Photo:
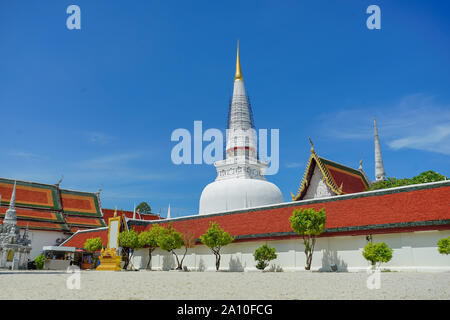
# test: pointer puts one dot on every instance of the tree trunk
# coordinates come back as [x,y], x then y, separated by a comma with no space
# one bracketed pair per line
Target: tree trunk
[310,243]
[178,262]
[308,261]
[149,263]
[125,256]
[217,261]
[130,258]
[184,255]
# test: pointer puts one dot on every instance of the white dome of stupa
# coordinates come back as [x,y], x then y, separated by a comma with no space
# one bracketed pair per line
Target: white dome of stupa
[238,193]
[240,181]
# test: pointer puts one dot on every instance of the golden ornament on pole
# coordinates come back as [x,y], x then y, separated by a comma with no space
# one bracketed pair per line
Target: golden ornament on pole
[109,260]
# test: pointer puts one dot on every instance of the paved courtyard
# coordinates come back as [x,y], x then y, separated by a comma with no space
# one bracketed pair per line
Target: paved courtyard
[221,285]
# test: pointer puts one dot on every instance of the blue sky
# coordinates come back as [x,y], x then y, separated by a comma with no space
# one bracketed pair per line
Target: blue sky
[98,105]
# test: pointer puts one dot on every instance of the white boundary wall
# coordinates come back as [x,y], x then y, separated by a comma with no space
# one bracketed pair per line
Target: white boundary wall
[412,251]
[41,238]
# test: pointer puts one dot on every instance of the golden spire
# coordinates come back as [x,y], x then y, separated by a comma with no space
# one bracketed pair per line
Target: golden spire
[115,211]
[238,75]
[312,146]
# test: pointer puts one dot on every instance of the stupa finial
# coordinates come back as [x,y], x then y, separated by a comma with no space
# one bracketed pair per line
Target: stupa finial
[238,75]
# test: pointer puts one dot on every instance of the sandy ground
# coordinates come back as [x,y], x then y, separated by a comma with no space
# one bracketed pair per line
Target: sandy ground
[222,285]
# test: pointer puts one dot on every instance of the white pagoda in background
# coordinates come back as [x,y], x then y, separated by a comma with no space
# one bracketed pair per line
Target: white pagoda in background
[380,174]
[14,248]
[240,181]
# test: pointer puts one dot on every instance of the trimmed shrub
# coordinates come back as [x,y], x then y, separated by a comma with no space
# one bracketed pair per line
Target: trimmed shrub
[444,245]
[263,255]
[377,253]
[39,260]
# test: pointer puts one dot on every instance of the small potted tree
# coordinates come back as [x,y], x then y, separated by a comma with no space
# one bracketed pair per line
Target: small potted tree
[92,245]
[128,240]
[215,238]
[263,255]
[378,252]
[171,240]
[149,239]
[308,223]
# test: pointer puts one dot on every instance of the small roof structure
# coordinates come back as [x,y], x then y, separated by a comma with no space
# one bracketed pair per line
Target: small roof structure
[339,178]
[57,248]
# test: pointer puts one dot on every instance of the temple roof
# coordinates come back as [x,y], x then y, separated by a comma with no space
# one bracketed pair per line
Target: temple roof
[109,213]
[79,238]
[47,207]
[339,178]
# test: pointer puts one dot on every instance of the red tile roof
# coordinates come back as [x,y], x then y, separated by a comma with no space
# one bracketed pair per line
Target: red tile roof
[30,194]
[351,180]
[86,222]
[41,225]
[339,178]
[39,204]
[33,214]
[78,239]
[109,213]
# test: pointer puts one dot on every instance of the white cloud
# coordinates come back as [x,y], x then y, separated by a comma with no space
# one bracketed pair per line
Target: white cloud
[98,137]
[291,165]
[414,122]
[113,161]
[437,140]
[24,155]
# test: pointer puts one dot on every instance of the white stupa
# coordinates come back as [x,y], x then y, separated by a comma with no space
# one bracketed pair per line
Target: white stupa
[240,181]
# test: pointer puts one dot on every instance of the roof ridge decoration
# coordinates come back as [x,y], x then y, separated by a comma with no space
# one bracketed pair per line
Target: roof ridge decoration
[327,178]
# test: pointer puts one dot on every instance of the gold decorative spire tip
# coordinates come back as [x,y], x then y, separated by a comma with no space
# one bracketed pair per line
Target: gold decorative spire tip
[312,145]
[238,75]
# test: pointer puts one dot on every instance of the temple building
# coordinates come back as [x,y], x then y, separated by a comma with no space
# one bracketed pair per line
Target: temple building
[240,181]
[410,219]
[52,214]
[326,178]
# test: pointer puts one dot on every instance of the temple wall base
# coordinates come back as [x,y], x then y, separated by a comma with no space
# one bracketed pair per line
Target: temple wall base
[412,252]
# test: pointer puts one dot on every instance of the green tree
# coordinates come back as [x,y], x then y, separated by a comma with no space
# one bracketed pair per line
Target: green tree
[308,223]
[424,177]
[444,245]
[215,238]
[263,255]
[39,261]
[144,207]
[428,176]
[170,240]
[128,240]
[93,244]
[149,239]
[378,252]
